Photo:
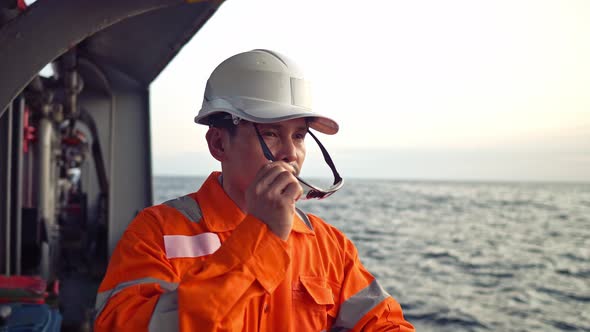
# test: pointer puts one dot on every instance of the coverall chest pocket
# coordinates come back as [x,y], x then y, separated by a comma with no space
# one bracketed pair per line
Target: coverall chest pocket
[312,303]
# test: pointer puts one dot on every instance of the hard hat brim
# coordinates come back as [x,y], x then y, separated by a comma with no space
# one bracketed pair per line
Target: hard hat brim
[264,111]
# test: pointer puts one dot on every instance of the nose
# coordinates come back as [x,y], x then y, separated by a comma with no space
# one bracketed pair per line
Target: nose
[287,151]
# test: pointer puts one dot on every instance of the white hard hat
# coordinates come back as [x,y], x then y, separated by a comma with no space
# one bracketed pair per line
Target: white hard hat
[261,86]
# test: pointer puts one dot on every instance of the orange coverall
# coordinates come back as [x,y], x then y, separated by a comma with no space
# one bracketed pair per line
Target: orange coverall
[198,263]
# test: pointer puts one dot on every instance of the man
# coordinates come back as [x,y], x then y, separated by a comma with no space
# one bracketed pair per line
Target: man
[237,255]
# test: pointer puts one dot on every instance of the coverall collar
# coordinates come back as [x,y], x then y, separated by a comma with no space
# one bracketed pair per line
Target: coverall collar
[221,214]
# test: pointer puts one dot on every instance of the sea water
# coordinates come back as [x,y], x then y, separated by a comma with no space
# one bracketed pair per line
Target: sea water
[465,256]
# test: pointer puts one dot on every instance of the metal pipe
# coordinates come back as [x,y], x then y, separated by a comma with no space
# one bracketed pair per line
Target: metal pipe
[99,72]
[103,180]
[111,167]
[99,164]
[74,85]
[107,86]
[19,185]
[46,201]
[29,177]
[8,189]
[149,153]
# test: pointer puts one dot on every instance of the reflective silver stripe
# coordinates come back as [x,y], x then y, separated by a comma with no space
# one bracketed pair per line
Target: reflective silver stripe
[358,305]
[187,206]
[165,315]
[103,297]
[304,217]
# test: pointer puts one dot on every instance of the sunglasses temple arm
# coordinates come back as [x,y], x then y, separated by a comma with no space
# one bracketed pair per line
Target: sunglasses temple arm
[265,150]
[327,158]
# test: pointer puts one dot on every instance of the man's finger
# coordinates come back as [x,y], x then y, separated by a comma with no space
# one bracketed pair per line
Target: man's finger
[281,182]
[293,190]
[269,175]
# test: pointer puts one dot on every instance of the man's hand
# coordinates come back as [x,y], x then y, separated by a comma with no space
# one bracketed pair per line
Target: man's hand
[272,195]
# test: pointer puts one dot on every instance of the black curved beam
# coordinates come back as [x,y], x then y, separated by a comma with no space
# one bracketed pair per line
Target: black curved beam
[49,28]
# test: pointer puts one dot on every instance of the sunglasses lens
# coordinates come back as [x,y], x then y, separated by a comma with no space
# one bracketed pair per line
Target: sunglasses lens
[316,194]
[310,192]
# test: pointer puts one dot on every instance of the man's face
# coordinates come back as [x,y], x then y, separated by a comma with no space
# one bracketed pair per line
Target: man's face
[244,156]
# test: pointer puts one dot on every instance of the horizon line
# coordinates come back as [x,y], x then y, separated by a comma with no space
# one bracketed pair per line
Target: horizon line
[438,180]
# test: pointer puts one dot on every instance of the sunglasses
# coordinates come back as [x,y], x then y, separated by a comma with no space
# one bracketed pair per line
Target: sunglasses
[309,191]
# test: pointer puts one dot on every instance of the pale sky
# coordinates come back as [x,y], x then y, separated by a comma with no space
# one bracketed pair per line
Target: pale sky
[464,90]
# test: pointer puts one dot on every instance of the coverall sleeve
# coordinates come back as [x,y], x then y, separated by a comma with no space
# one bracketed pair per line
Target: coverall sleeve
[142,291]
[365,305]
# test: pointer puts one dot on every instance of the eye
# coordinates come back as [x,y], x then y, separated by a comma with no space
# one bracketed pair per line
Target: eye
[269,134]
[300,136]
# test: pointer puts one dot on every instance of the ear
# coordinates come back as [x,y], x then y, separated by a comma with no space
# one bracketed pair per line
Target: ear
[216,139]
